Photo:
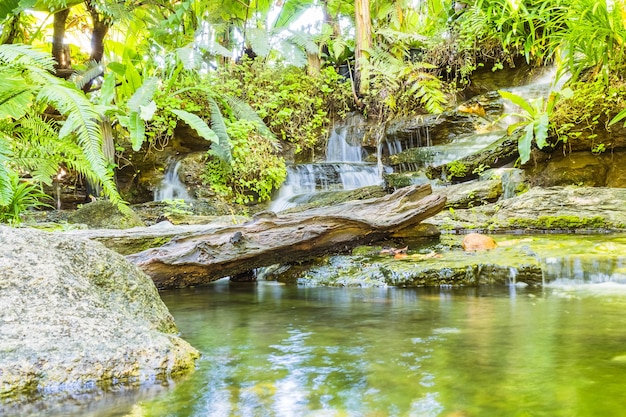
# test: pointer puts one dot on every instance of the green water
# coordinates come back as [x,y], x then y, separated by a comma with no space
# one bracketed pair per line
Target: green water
[272,350]
[277,350]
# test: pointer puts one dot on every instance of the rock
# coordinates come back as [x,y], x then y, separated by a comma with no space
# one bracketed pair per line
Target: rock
[78,318]
[551,209]
[471,194]
[477,242]
[102,214]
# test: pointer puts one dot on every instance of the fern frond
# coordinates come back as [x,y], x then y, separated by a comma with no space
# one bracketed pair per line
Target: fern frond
[6,189]
[222,147]
[93,71]
[25,56]
[242,110]
[259,41]
[82,120]
[304,40]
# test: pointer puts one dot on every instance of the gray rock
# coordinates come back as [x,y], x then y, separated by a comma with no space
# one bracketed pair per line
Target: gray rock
[77,317]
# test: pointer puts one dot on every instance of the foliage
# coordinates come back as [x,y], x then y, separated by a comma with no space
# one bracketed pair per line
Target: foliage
[591,107]
[24,195]
[535,119]
[400,87]
[256,170]
[26,90]
[296,107]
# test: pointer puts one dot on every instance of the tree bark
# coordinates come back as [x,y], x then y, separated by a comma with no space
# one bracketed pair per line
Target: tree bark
[277,239]
[59,52]
[363,42]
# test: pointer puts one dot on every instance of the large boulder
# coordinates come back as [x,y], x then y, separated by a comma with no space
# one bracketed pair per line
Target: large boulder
[77,317]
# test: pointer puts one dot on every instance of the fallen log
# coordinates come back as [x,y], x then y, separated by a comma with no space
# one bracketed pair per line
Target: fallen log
[271,239]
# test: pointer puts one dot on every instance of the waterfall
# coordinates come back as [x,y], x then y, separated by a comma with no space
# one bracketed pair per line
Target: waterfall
[584,269]
[171,187]
[344,169]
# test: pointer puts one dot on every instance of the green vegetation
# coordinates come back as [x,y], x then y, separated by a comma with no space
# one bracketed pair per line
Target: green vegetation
[259,89]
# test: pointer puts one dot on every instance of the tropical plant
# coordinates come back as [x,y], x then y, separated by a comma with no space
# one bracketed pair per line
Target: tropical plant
[401,87]
[295,106]
[28,91]
[24,195]
[535,121]
[256,170]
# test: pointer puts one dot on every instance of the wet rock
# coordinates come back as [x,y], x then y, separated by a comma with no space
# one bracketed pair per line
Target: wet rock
[550,209]
[471,194]
[102,214]
[78,318]
[477,242]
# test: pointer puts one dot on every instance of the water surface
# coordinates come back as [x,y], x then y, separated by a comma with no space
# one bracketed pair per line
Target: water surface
[273,350]
[279,350]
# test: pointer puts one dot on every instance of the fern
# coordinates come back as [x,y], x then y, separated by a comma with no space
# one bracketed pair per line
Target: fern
[25,56]
[82,120]
[242,110]
[6,190]
[93,71]
[222,148]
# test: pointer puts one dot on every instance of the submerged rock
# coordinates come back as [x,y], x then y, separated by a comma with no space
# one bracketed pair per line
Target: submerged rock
[77,318]
[475,242]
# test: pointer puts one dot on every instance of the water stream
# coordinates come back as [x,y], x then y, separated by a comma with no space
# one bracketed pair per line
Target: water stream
[344,169]
[171,187]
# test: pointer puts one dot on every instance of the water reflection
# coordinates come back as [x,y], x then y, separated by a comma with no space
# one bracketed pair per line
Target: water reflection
[276,350]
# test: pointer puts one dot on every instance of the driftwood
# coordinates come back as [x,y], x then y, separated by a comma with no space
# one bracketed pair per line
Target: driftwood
[498,154]
[272,239]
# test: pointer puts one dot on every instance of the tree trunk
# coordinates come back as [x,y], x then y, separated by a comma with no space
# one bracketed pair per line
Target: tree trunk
[286,238]
[363,43]
[59,52]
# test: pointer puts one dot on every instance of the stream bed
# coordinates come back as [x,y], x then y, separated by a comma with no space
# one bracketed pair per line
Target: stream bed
[284,350]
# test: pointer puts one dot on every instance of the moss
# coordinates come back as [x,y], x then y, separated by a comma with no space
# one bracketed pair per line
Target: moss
[560,223]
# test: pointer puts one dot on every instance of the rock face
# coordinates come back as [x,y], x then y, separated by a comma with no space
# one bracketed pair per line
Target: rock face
[77,317]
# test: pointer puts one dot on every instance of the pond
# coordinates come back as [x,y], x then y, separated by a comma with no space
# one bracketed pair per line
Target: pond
[284,350]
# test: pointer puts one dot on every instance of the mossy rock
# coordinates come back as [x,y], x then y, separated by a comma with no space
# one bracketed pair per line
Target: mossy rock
[103,214]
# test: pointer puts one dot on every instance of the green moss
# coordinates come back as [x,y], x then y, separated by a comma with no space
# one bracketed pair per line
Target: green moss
[560,223]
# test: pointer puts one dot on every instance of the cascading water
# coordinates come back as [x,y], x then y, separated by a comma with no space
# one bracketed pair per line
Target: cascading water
[344,169]
[171,187]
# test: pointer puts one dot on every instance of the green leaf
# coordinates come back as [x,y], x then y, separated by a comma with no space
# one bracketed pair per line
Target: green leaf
[197,124]
[6,190]
[222,147]
[137,129]
[144,94]
[620,116]
[107,91]
[7,7]
[518,101]
[524,144]
[540,130]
